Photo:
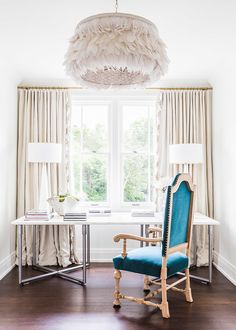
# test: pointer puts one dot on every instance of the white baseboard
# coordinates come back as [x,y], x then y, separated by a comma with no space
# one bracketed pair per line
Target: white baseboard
[103,255]
[225,267]
[7,264]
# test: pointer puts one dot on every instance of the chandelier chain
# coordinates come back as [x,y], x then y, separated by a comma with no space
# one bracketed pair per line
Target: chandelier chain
[116,6]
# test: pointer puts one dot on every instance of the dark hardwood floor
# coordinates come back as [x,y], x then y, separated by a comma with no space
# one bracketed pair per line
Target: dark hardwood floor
[57,304]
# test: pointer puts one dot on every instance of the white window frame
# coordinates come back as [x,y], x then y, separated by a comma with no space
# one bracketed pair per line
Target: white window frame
[114,176]
[88,102]
[122,153]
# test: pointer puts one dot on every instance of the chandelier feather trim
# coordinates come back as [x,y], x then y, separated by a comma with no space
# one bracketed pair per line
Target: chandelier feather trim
[116,50]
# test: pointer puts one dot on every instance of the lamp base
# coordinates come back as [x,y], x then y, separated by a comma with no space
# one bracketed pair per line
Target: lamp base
[186,168]
[43,192]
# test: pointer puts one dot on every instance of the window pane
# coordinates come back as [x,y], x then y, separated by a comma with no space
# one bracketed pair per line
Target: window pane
[153,121]
[76,166]
[152,179]
[135,178]
[135,128]
[95,128]
[76,130]
[95,178]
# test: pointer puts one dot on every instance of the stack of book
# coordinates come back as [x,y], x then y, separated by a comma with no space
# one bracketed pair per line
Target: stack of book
[100,212]
[142,213]
[80,215]
[38,215]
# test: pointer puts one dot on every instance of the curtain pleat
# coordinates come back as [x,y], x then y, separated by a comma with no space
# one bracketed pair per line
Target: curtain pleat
[44,116]
[185,117]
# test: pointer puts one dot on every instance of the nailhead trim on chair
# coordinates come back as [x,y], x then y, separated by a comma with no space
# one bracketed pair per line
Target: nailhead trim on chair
[166,223]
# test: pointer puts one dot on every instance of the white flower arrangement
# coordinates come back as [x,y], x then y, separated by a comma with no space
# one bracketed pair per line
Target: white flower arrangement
[63,203]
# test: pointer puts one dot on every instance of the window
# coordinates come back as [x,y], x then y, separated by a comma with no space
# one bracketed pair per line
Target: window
[90,151]
[113,146]
[137,153]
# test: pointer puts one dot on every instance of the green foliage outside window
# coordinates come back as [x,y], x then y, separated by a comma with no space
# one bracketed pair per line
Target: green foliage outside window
[94,167]
[94,179]
[135,179]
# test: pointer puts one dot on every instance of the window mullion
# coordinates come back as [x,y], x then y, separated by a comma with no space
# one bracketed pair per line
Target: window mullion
[149,156]
[81,151]
[115,156]
[109,156]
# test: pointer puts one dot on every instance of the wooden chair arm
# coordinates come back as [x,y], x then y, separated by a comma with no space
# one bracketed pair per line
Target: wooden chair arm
[118,237]
[154,229]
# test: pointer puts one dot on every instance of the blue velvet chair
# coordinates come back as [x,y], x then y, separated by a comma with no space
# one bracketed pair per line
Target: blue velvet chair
[164,261]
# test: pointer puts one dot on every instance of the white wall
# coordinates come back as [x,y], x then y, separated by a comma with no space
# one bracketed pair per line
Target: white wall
[224,137]
[200,36]
[8,120]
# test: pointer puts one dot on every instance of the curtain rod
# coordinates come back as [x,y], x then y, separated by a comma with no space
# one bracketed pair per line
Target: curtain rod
[150,89]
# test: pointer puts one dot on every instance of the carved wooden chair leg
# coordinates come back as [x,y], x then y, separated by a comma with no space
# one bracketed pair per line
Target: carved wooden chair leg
[117,277]
[188,291]
[164,303]
[146,287]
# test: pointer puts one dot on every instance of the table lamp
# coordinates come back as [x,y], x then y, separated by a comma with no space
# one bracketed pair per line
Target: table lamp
[186,154]
[44,153]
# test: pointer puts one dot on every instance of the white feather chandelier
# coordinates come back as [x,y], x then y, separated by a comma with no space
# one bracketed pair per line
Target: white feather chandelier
[116,50]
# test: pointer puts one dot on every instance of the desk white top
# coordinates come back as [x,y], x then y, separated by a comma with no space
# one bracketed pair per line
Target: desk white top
[116,218]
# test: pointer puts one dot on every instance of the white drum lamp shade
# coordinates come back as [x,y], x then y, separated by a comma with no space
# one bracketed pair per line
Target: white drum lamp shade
[186,154]
[44,153]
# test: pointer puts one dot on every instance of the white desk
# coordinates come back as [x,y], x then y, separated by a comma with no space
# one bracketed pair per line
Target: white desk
[113,219]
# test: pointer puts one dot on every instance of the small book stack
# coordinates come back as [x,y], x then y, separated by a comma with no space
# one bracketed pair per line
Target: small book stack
[142,213]
[100,212]
[38,215]
[80,215]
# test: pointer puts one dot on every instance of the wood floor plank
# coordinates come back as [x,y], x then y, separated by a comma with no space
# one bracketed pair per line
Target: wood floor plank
[57,304]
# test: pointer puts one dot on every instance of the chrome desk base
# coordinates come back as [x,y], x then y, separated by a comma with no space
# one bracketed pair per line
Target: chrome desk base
[63,273]
[48,272]
[206,280]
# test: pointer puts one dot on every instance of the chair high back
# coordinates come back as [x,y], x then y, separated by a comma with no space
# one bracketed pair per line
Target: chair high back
[178,214]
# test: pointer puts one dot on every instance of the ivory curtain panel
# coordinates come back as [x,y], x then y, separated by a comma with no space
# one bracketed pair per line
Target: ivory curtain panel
[44,116]
[184,116]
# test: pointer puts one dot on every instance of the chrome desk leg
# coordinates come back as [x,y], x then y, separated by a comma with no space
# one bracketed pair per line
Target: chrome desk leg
[20,231]
[207,280]
[146,233]
[34,245]
[88,245]
[210,250]
[195,247]
[84,238]
[141,234]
